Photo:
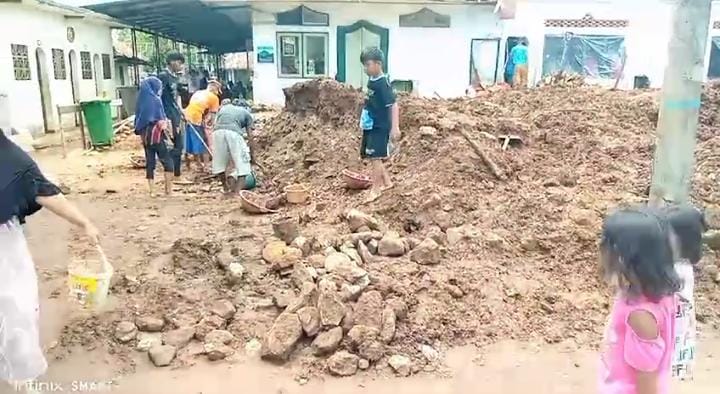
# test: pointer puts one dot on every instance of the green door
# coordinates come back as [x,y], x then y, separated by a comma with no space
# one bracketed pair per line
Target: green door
[351,41]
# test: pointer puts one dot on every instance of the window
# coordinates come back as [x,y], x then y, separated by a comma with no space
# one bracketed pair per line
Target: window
[303,55]
[85,65]
[425,18]
[594,56]
[303,16]
[21,62]
[58,57]
[107,70]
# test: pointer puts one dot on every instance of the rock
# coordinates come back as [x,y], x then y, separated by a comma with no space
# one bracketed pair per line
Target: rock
[391,246]
[219,336]
[303,244]
[364,253]
[308,296]
[455,235]
[360,334]
[225,258]
[387,330]
[327,342]
[455,291]
[710,270]
[348,321]
[253,348]
[495,241]
[179,338]
[145,341]
[530,244]
[317,261]
[192,350]
[217,351]
[428,132]
[223,308]
[373,246]
[399,307]
[335,260]
[712,239]
[283,297]
[343,363]
[342,265]
[583,217]
[280,256]
[357,220]
[301,274]
[352,253]
[125,332]
[427,253]
[436,234]
[235,272]
[208,324]
[331,308]
[282,337]
[310,320]
[400,364]
[162,355]
[712,217]
[368,310]
[430,354]
[363,364]
[350,292]
[411,243]
[150,323]
[364,229]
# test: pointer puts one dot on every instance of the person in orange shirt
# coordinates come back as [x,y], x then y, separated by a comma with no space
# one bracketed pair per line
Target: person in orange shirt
[200,115]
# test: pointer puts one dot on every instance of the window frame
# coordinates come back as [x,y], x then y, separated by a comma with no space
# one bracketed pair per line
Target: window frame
[89,70]
[106,68]
[59,69]
[302,53]
[18,59]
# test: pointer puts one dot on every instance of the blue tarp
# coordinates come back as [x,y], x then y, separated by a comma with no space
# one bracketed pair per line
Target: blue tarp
[594,56]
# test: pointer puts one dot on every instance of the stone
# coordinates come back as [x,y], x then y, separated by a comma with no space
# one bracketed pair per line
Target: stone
[455,291]
[301,273]
[303,244]
[583,217]
[225,258]
[365,340]
[327,284]
[253,348]
[530,244]
[363,364]
[352,253]
[310,320]
[282,337]
[342,265]
[368,310]
[712,239]
[454,235]
[217,351]
[371,350]
[430,354]
[400,364]
[428,132]
[283,297]
[387,330]
[179,338]
[399,307]
[427,253]
[494,241]
[308,296]
[327,342]
[317,261]
[343,363]
[145,341]
[280,256]
[219,336]
[352,292]
[162,355]
[364,253]
[357,219]
[223,308]
[712,217]
[348,321]
[150,323]
[373,246]
[711,270]
[208,324]
[331,308]
[391,246]
[125,332]
[235,272]
[436,234]
[335,260]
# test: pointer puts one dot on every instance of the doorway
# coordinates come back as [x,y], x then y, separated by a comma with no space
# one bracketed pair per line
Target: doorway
[511,43]
[484,57]
[44,86]
[351,41]
[97,69]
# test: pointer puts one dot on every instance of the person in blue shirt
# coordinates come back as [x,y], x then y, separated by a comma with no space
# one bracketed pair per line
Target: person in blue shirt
[519,59]
[380,120]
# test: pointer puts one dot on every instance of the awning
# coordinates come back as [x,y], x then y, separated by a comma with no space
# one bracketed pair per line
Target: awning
[220,26]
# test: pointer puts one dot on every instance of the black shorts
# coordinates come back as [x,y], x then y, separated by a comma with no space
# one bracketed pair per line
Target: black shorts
[375,144]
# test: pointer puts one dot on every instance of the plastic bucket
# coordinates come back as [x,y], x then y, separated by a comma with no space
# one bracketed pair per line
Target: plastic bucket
[99,121]
[90,289]
[297,194]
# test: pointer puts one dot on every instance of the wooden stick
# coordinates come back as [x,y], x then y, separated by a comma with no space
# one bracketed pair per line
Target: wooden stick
[488,162]
[62,133]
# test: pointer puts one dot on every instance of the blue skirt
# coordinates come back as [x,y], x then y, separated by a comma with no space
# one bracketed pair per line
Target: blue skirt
[193,142]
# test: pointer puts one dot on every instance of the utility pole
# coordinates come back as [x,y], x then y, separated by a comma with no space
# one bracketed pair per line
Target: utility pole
[680,103]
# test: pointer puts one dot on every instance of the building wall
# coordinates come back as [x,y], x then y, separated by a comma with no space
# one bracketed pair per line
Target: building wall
[437,58]
[47,30]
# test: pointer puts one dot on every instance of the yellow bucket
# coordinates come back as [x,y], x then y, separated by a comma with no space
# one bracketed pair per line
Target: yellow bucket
[90,289]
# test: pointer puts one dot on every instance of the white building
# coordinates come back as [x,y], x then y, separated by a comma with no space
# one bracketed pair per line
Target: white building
[52,54]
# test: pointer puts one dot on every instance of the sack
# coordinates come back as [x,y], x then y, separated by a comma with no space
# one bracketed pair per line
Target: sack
[366,121]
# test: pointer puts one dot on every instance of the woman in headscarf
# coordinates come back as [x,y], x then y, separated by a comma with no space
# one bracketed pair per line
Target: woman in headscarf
[24,190]
[152,126]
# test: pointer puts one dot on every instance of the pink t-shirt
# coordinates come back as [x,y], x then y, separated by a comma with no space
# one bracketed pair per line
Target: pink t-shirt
[623,352]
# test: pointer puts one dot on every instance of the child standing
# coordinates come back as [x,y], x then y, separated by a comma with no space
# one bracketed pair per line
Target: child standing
[380,120]
[637,259]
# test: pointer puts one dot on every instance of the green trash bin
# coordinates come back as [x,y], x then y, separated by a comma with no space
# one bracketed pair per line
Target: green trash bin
[99,121]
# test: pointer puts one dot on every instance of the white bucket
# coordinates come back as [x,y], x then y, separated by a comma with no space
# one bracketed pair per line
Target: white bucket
[90,289]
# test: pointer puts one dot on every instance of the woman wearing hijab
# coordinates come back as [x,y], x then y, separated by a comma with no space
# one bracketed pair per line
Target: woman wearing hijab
[24,190]
[151,125]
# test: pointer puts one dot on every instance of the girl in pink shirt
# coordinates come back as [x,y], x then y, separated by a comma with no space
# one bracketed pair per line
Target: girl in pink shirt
[637,259]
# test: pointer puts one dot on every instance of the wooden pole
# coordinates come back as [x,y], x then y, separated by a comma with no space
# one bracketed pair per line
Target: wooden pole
[680,103]
[136,69]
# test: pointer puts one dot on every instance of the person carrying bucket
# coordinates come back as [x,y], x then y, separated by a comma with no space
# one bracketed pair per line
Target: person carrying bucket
[24,190]
[232,140]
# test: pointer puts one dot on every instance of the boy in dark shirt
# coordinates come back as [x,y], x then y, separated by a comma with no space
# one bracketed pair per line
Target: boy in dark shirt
[171,104]
[380,120]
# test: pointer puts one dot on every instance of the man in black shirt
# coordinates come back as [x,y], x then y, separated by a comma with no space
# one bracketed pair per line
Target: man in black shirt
[171,103]
[380,120]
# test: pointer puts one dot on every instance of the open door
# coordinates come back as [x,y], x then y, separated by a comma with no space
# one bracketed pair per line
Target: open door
[97,69]
[44,85]
[351,41]
[484,56]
